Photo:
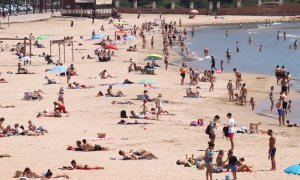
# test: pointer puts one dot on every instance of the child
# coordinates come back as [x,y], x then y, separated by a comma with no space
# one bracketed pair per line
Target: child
[252,103]
[145,109]
[290,106]
[222,63]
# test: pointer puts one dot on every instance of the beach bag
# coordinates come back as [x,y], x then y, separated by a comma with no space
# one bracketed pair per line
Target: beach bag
[225,131]
[123,114]
[207,131]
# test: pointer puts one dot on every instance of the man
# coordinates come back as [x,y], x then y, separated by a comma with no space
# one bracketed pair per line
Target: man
[243,93]
[231,125]
[213,63]
[232,163]
[272,149]
[237,76]
[88,147]
[230,90]
[280,112]
[211,129]
[158,103]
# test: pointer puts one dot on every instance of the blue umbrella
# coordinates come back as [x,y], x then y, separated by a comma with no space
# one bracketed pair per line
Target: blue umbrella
[60,69]
[98,36]
[295,169]
[148,81]
[129,38]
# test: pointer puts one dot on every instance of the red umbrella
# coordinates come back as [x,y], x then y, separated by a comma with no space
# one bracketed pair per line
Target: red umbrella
[121,32]
[111,46]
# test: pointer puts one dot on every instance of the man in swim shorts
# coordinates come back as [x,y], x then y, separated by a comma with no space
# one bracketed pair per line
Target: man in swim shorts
[272,149]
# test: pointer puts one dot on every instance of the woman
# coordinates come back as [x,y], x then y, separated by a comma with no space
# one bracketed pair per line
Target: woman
[277,73]
[208,158]
[219,160]
[271,95]
[74,165]
[243,167]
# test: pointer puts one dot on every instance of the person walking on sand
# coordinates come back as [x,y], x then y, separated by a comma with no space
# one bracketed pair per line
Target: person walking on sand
[231,125]
[210,130]
[166,60]
[243,93]
[208,158]
[158,103]
[230,90]
[272,149]
[271,96]
[252,103]
[238,77]
[182,73]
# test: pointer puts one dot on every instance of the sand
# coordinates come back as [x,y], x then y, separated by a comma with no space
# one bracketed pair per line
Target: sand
[169,138]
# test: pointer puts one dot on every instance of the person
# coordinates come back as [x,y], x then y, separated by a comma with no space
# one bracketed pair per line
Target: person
[252,103]
[136,155]
[182,73]
[230,90]
[88,147]
[237,44]
[233,164]
[166,60]
[238,77]
[72,23]
[243,93]
[213,63]
[211,129]
[58,106]
[260,48]
[221,65]
[280,112]
[226,33]
[219,161]
[231,125]
[228,54]
[5,155]
[152,42]
[272,149]
[290,106]
[74,165]
[49,175]
[144,106]
[271,96]
[243,167]
[211,80]
[250,39]
[278,34]
[208,158]
[158,103]
[104,76]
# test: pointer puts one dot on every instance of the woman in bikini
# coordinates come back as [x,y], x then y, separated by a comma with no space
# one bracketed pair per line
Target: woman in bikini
[74,165]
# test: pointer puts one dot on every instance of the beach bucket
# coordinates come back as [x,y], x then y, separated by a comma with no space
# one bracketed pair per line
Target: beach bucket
[227,177]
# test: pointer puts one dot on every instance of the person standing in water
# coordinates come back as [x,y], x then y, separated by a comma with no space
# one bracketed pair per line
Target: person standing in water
[260,48]
[272,149]
[221,65]
[250,39]
[278,34]
[213,63]
[284,35]
[237,44]
[228,54]
[226,34]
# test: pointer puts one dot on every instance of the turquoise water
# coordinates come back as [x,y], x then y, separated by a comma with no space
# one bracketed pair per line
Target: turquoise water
[249,59]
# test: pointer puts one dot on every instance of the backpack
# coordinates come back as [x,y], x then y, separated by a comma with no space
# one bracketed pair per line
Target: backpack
[225,131]
[207,131]
[123,114]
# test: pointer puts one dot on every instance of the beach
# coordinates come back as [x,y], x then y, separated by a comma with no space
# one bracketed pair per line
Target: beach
[170,138]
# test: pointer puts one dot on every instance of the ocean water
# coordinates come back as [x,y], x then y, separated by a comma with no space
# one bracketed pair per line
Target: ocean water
[249,59]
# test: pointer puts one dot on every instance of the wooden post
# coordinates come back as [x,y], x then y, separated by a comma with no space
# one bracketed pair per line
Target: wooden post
[58,51]
[50,48]
[30,46]
[172,4]
[72,52]
[239,3]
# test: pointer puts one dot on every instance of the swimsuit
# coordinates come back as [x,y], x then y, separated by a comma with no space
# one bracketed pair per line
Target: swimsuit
[273,151]
[208,160]
[97,147]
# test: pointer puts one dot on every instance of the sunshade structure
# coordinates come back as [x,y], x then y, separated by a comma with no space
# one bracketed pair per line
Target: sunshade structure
[26,58]
[147,81]
[59,69]
[42,37]
[121,32]
[194,11]
[295,169]
[98,36]
[130,38]
[153,57]
[111,46]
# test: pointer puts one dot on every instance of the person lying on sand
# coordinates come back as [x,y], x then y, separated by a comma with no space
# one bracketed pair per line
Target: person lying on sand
[76,85]
[122,102]
[134,115]
[191,93]
[137,155]
[289,124]
[188,162]
[35,95]
[5,155]
[104,76]
[23,70]
[74,165]
[101,135]
[219,160]
[7,106]
[27,173]
[123,122]
[2,80]
[111,94]
[88,147]
[132,48]
[32,127]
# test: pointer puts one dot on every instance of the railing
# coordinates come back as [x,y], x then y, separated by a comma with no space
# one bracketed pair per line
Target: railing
[100,13]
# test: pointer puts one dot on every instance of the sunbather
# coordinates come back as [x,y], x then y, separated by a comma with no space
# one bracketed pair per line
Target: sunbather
[5,155]
[243,167]
[88,147]
[135,155]
[76,85]
[74,165]
[27,173]
[188,162]
[111,94]
[55,114]
[191,93]
[7,106]
[104,76]
[122,102]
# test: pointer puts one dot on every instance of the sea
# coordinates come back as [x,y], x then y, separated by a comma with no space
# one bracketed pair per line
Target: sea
[249,59]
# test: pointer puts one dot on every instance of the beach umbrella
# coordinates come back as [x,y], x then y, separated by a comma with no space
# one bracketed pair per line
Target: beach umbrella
[42,37]
[295,169]
[59,69]
[153,57]
[98,36]
[111,46]
[129,38]
[147,81]
[194,11]
[121,32]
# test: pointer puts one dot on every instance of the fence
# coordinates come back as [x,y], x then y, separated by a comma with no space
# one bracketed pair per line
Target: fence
[100,13]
